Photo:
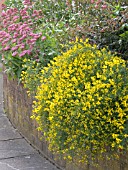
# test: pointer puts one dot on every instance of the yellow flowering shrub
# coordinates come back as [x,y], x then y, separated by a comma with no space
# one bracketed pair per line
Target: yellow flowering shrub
[82,103]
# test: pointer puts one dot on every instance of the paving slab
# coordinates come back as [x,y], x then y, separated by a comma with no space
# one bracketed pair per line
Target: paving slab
[14,148]
[4,122]
[31,162]
[7,132]
[1,113]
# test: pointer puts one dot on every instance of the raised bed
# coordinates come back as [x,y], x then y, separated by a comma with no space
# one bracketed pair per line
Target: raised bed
[18,107]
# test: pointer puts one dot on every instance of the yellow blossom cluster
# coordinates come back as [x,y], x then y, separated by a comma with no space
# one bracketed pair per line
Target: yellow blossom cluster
[82,102]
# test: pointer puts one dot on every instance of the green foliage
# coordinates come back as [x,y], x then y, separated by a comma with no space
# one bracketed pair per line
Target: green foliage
[82,103]
[30,76]
[101,21]
[115,33]
[13,65]
[14,3]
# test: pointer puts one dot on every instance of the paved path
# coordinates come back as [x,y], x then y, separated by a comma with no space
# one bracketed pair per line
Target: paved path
[15,152]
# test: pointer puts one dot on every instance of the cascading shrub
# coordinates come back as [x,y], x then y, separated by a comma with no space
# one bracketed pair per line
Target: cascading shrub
[82,103]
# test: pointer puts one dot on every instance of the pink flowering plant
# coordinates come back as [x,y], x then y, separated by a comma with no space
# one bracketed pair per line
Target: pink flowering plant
[21,38]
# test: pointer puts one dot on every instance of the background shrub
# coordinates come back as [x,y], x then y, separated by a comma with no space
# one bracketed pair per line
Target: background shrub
[104,22]
[82,103]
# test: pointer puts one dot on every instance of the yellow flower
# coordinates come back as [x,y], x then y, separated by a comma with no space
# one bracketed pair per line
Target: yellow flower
[118,140]
[126,135]
[50,118]
[115,135]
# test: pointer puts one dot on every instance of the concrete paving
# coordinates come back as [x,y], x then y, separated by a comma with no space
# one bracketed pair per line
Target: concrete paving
[15,151]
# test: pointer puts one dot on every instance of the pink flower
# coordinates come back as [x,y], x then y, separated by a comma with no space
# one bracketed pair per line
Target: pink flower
[33,15]
[96,6]
[12,27]
[4,22]
[14,53]
[22,26]
[23,12]
[35,12]
[14,40]
[43,38]
[6,40]
[92,1]
[8,35]
[33,40]
[25,17]
[15,18]
[3,6]
[28,52]
[15,9]
[104,6]
[22,46]
[15,48]
[9,11]
[31,34]
[27,28]
[22,38]
[26,2]
[37,35]
[15,35]
[1,39]
[23,53]
[3,14]
[6,48]
[4,34]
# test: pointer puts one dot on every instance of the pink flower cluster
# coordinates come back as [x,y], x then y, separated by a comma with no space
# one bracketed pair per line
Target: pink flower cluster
[18,30]
[27,2]
[99,4]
